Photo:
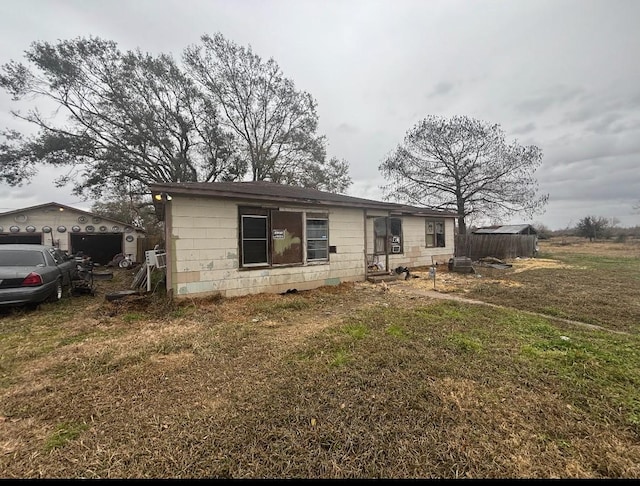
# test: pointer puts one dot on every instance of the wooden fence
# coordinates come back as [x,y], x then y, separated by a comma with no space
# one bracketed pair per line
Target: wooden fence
[148,243]
[503,247]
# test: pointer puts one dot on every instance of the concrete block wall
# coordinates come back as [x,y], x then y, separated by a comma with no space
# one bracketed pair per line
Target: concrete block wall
[204,243]
[415,253]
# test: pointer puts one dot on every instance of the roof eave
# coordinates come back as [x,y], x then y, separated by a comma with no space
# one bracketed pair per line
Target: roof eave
[161,189]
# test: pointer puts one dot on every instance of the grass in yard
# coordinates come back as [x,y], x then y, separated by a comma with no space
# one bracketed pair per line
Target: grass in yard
[593,288]
[339,382]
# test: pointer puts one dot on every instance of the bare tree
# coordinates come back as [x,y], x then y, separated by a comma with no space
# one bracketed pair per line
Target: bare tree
[542,229]
[129,117]
[464,165]
[275,123]
[129,207]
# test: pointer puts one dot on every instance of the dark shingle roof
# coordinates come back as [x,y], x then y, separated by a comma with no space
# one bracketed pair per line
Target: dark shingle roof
[271,192]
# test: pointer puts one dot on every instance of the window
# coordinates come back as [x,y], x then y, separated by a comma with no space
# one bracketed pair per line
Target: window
[434,234]
[395,227]
[254,240]
[387,235]
[270,237]
[317,239]
[26,258]
[57,255]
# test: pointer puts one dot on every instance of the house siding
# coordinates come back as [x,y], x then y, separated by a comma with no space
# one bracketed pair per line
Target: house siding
[203,243]
[415,253]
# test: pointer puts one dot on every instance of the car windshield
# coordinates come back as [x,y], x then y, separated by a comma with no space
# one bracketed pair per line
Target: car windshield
[21,258]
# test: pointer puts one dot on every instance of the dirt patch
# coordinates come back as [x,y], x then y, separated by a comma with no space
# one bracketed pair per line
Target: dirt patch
[447,281]
[522,265]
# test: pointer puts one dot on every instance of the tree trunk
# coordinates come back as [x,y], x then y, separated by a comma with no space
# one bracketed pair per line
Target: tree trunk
[462,226]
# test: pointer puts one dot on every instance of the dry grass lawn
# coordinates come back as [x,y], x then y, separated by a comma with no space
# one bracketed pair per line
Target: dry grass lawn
[352,381]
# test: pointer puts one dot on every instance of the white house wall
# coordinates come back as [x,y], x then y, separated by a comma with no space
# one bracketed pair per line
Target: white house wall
[415,253]
[205,254]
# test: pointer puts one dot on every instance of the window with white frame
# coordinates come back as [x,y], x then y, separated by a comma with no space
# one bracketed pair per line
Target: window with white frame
[434,233]
[317,239]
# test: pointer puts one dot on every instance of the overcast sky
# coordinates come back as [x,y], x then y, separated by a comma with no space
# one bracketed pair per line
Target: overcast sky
[563,75]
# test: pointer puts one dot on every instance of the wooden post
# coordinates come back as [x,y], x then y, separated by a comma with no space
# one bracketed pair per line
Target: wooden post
[432,272]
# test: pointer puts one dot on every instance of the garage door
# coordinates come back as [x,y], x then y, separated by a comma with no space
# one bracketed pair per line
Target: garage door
[33,239]
[101,248]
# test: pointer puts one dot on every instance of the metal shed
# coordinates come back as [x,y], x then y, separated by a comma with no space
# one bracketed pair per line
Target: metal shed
[503,242]
[508,229]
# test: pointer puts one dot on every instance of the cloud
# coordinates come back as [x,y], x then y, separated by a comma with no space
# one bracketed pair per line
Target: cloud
[552,96]
[524,129]
[347,129]
[442,88]
[562,75]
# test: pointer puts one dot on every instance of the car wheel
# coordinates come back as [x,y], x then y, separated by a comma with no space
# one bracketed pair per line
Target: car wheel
[124,264]
[57,294]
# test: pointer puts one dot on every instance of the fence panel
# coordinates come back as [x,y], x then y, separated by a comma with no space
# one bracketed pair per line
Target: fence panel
[503,247]
[148,243]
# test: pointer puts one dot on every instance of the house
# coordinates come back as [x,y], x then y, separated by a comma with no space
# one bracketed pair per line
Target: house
[71,230]
[238,238]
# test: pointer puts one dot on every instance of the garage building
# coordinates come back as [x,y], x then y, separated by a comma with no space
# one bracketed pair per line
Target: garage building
[71,230]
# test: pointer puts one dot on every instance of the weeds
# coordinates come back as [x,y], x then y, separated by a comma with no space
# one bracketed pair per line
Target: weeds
[340,382]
